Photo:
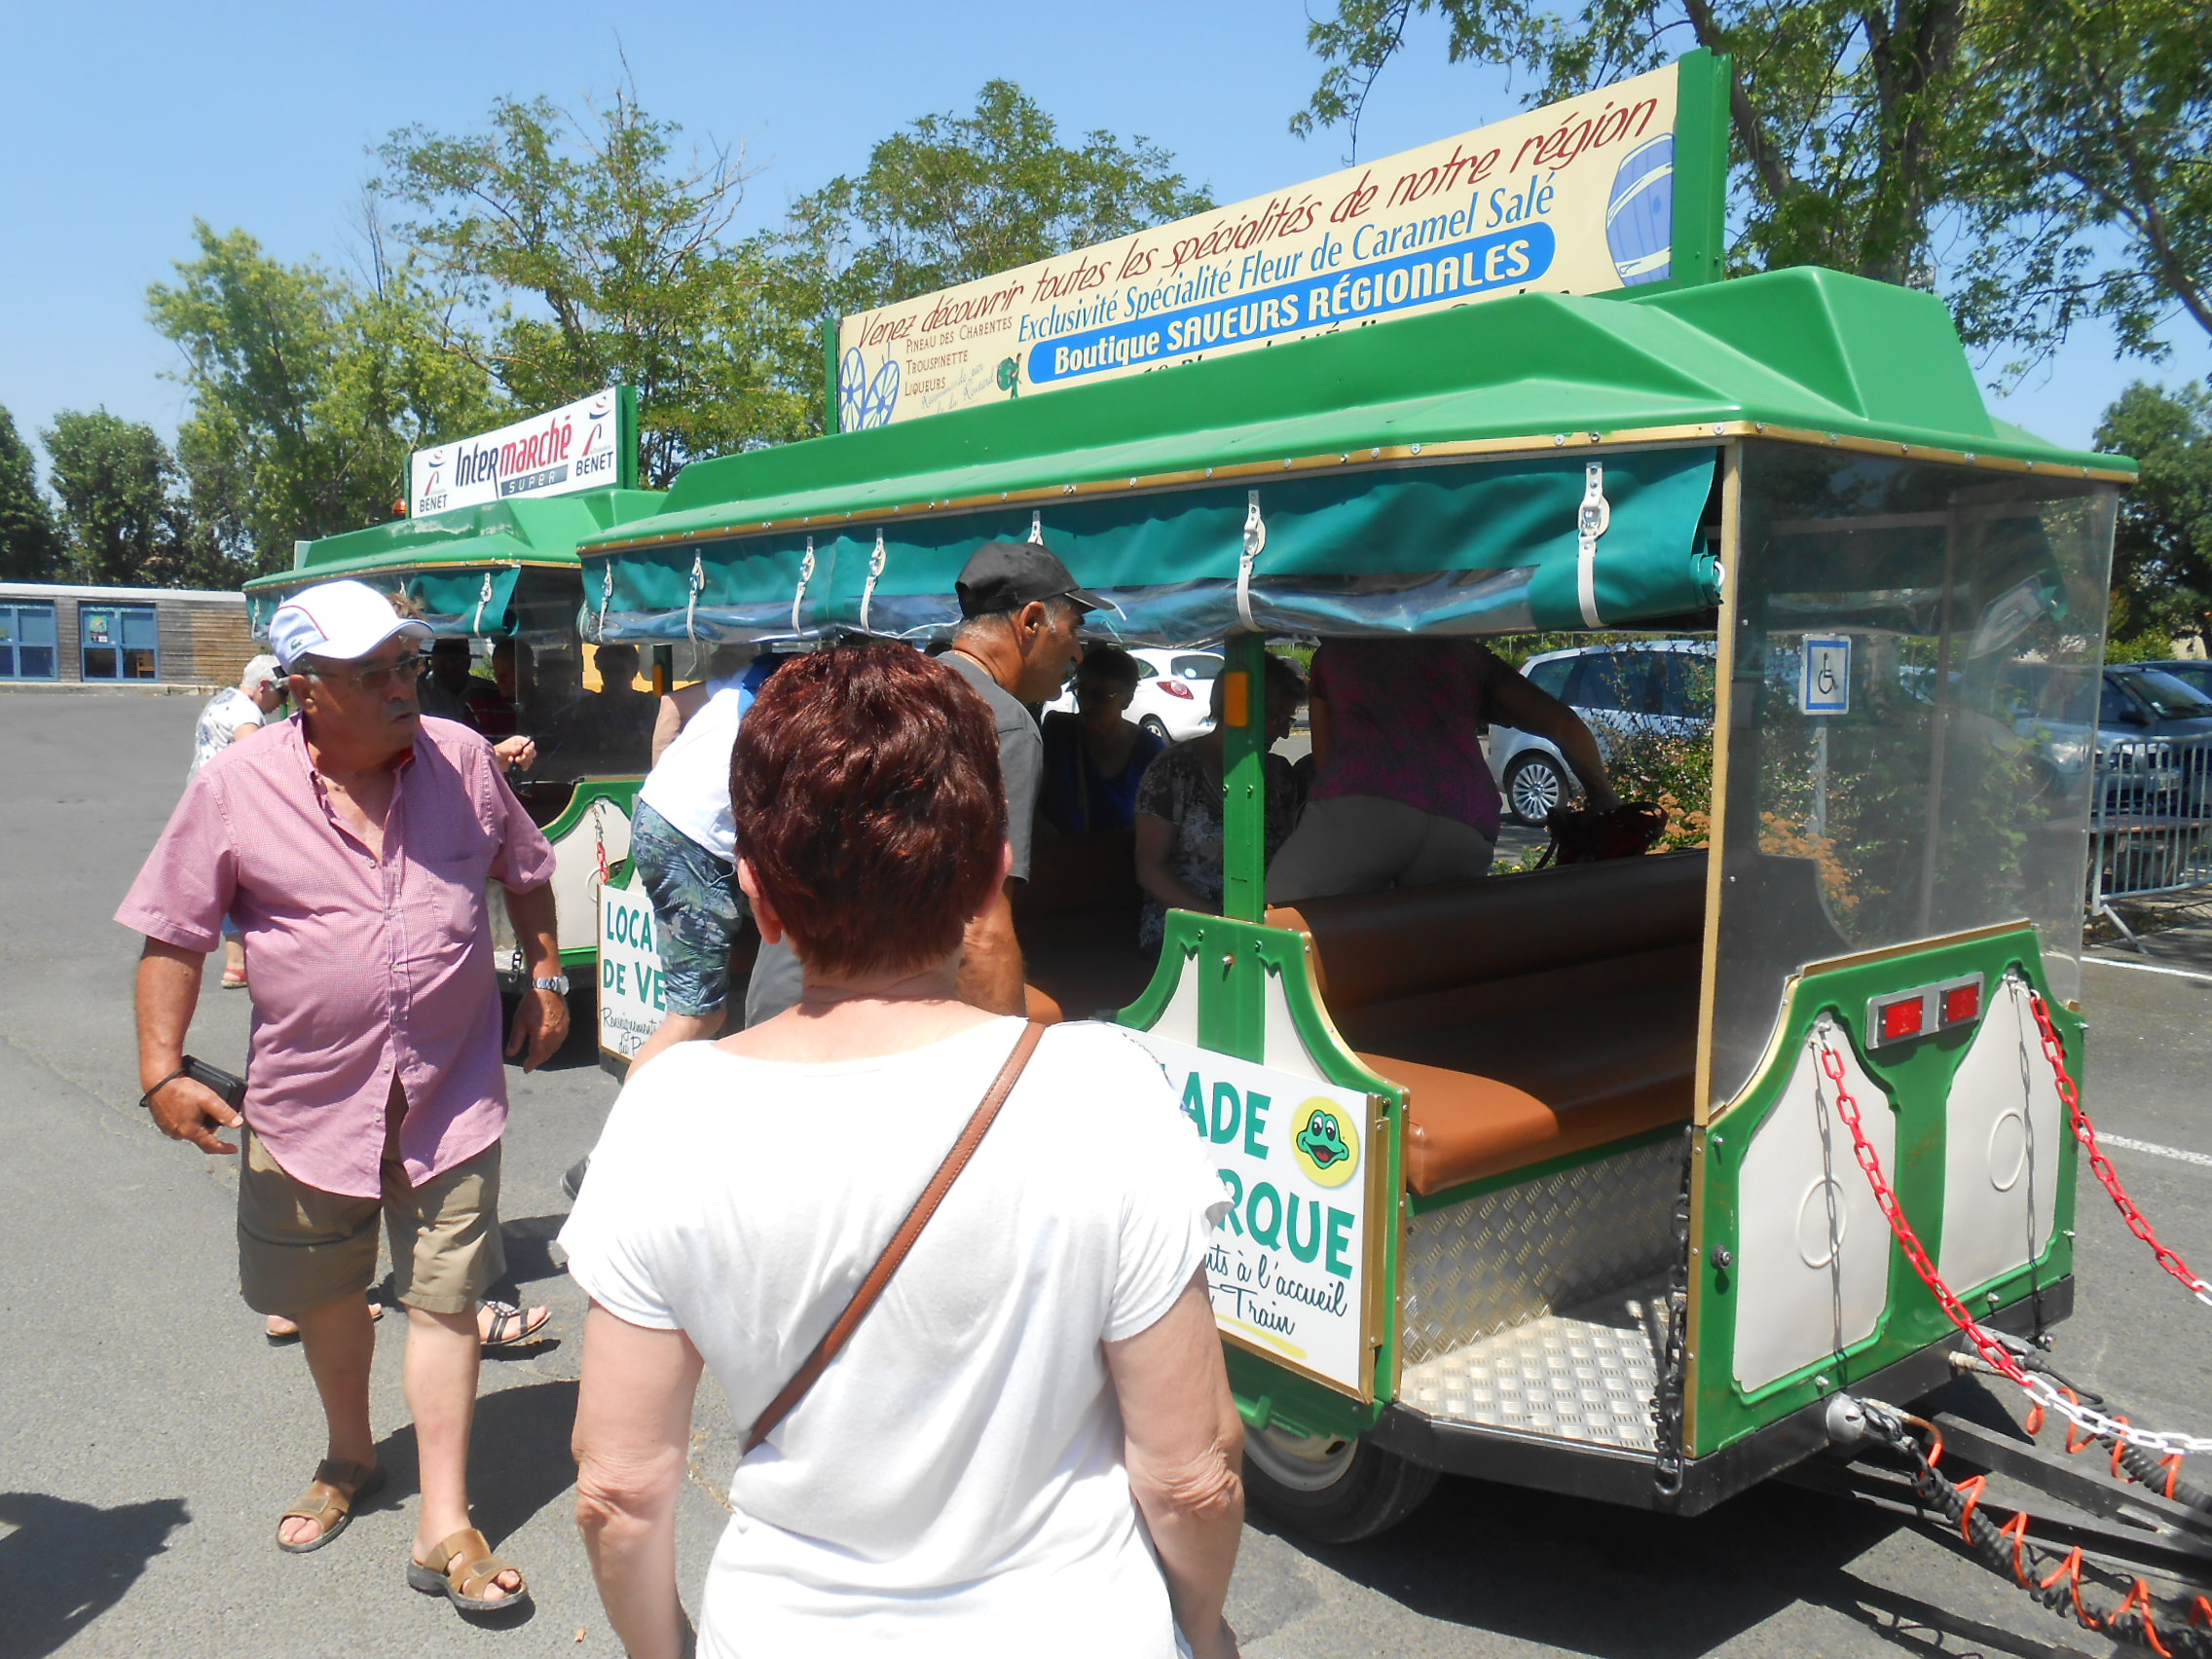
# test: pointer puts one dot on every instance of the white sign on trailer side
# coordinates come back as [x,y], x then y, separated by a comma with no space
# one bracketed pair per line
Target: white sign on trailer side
[633,997]
[575,447]
[1289,1267]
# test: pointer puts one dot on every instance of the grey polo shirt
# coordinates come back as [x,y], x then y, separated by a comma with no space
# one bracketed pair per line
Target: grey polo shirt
[1021,755]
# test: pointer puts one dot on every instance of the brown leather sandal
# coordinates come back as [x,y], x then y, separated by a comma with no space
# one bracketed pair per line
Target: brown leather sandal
[329,1500]
[465,1567]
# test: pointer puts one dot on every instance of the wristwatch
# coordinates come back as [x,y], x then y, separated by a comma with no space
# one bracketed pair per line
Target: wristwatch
[560,985]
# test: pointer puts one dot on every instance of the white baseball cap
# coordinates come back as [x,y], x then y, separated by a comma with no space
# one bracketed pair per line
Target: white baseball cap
[260,672]
[339,621]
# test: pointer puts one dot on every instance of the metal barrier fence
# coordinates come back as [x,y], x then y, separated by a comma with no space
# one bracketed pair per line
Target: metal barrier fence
[2150,821]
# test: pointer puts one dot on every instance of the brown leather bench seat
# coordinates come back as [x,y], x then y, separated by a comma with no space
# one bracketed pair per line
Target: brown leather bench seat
[1077,919]
[1527,1016]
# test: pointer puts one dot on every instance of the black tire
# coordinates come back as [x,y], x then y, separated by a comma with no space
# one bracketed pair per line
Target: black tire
[1154,724]
[1534,785]
[1333,1492]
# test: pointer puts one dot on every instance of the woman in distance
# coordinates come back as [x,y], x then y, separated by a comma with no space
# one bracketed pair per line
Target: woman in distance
[1095,757]
[1040,1387]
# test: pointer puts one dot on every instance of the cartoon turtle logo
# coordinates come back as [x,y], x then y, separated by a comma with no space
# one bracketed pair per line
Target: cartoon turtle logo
[1326,1144]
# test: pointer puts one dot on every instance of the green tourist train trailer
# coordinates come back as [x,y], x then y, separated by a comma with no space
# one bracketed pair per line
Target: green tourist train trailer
[1545,1178]
[501,569]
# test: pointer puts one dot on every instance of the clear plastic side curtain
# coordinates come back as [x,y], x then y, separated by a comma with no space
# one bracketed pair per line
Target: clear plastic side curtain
[1570,542]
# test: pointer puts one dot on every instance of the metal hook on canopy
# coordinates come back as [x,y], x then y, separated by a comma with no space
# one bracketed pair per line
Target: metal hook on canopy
[1591,521]
[805,575]
[691,603]
[1255,542]
[875,564]
[484,598]
[1037,526]
[605,595]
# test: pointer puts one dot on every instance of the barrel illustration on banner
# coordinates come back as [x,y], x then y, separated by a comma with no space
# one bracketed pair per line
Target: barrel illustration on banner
[851,388]
[883,396]
[865,400]
[1639,218]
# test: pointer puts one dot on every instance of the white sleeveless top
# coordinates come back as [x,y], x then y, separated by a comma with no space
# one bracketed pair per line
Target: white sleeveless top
[690,785]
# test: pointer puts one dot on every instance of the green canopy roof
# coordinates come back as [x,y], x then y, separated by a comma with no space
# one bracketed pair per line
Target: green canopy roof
[1424,472]
[461,568]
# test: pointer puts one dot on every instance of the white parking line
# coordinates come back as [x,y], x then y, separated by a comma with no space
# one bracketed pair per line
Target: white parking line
[2150,968]
[2153,1149]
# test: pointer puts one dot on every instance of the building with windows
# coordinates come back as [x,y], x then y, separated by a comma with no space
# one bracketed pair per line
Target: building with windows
[57,634]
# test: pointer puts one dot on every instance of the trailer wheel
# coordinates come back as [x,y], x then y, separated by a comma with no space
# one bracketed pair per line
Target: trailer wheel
[1329,1490]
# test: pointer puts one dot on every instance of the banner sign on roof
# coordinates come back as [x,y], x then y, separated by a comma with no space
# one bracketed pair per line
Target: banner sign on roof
[1579,197]
[584,445]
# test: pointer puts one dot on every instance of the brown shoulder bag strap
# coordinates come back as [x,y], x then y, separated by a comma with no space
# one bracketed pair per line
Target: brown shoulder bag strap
[902,1241]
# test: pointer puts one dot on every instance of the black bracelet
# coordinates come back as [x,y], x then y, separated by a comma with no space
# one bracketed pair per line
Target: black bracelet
[146,1100]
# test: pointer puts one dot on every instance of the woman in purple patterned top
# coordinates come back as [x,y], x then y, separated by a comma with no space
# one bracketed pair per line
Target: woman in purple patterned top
[1402,795]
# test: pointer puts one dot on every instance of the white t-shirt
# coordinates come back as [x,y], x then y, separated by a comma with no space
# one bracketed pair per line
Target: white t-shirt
[690,785]
[954,1482]
[218,724]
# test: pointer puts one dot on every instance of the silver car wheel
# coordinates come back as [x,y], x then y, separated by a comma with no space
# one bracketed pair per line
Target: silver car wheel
[1534,787]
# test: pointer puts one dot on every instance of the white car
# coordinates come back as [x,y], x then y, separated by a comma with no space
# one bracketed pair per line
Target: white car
[1174,699]
[1651,686]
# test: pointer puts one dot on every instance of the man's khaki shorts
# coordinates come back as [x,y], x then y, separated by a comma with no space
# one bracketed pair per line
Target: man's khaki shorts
[301,1248]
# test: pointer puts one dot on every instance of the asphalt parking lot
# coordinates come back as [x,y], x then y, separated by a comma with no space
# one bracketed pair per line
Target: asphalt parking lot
[149,1436]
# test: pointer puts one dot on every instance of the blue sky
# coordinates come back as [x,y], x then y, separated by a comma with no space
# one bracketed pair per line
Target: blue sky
[125,122]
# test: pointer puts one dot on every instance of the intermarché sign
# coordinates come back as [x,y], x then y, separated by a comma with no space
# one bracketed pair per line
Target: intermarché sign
[1575,198]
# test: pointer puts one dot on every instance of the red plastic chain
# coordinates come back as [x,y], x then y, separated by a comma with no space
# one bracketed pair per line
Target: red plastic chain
[2109,1178]
[1847,1108]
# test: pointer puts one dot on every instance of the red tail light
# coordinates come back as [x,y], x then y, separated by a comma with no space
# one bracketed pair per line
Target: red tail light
[1176,688]
[1941,1007]
[1962,1003]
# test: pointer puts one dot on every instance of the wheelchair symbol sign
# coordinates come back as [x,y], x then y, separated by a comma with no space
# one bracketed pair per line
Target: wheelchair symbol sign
[1825,687]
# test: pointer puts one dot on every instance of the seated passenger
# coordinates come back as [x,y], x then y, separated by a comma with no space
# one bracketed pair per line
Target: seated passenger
[1402,795]
[494,707]
[1095,758]
[1178,817]
[444,689]
[449,692]
[625,713]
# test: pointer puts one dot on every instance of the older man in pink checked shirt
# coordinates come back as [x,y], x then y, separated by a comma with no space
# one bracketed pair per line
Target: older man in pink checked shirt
[353,845]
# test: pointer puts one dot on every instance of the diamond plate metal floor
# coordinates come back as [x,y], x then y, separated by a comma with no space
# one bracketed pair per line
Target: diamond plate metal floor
[1587,1373]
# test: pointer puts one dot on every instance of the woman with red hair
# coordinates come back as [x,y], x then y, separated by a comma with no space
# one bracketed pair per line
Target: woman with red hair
[1028,1441]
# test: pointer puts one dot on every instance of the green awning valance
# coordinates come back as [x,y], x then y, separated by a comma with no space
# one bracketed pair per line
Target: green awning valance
[461,571]
[1475,547]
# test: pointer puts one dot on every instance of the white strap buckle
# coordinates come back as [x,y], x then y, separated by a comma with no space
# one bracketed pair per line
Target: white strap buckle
[691,603]
[875,564]
[805,575]
[1591,521]
[1255,543]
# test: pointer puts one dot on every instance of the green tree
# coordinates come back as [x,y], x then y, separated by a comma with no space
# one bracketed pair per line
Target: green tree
[30,551]
[309,391]
[2162,571]
[113,478]
[1971,149]
[951,198]
[590,254]
[2104,115]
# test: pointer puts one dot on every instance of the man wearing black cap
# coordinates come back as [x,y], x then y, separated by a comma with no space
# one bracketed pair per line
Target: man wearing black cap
[1020,610]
